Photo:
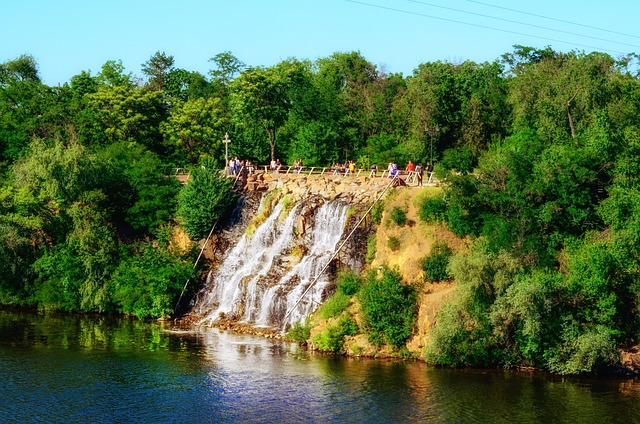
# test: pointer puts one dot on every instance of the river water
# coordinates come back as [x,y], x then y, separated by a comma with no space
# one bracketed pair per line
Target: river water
[67,368]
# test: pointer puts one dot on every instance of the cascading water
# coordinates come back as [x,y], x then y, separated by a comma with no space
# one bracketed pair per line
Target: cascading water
[248,288]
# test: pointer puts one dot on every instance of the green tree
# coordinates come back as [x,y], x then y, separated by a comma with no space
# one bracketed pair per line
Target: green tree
[196,127]
[140,194]
[227,68]
[157,69]
[389,308]
[182,85]
[113,74]
[203,200]
[148,281]
[124,113]
[263,97]
[24,100]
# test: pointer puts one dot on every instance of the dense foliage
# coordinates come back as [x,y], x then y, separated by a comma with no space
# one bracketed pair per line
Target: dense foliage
[389,308]
[540,151]
[552,278]
[435,264]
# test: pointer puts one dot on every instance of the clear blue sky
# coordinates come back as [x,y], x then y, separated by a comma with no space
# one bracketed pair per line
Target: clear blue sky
[69,36]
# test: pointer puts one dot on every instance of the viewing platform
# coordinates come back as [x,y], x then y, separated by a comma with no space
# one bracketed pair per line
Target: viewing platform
[359,186]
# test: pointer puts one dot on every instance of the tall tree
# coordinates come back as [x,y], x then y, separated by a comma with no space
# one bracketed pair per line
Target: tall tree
[157,69]
[113,74]
[196,126]
[263,96]
[227,67]
[123,112]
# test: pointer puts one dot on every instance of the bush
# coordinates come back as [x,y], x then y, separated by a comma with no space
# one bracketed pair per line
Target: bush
[376,213]
[389,308]
[332,339]
[299,332]
[433,210]
[435,263]
[585,350]
[398,216]
[147,284]
[334,305]
[349,282]
[458,340]
[371,248]
[393,243]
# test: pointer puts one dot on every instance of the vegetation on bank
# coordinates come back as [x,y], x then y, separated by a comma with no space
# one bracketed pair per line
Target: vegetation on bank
[540,151]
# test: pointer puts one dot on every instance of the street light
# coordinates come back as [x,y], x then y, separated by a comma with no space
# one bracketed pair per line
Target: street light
[226,140]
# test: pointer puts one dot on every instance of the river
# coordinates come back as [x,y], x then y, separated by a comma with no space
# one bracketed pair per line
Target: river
[96,369]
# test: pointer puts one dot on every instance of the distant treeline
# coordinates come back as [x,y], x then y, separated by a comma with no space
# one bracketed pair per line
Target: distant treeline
[541,150]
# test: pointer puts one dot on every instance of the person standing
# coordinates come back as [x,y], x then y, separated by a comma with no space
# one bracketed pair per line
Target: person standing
[419,174]
[429,172]
[374,170]
[410,169]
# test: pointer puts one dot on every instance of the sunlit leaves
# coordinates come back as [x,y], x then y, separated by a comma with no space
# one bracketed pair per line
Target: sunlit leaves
[197,127]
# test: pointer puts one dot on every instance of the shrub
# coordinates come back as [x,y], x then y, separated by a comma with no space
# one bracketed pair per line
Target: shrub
[334,305]
[299,332]
[332,339]
[458,339]
[585,350]
[399,216]
[433,210]
[393,243]
[389,308]
[435,263]
[376,213]
[147,284]
[349,282]
[371,248]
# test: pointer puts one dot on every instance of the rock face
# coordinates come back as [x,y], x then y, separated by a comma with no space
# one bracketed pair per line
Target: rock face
[352,190]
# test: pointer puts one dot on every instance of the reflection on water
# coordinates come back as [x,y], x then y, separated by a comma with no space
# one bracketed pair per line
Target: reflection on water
[96,369]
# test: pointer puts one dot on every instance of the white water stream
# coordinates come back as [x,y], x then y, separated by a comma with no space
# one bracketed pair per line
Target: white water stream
[256,283]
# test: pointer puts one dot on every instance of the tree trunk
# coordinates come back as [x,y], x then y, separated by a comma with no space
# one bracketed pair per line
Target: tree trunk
[271,134]
[573,129]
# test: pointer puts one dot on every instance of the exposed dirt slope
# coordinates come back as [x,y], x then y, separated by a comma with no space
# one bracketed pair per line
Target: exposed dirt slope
[416,239]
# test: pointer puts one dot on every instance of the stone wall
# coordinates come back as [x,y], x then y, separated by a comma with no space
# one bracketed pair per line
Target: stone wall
[353,190]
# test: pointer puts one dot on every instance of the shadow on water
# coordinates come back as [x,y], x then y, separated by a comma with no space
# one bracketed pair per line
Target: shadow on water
[71,368]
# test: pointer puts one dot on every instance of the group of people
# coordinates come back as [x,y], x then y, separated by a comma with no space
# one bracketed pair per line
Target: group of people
[236,166]
[343,169]
[275,165]
[411,169]
[419,171]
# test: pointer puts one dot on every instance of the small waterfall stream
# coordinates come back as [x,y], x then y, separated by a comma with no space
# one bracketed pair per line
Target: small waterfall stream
[260,280]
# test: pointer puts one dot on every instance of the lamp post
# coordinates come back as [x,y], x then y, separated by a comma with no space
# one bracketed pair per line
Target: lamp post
[226,140]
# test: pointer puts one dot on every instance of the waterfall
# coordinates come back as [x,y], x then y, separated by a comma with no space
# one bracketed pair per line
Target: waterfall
[256,283]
